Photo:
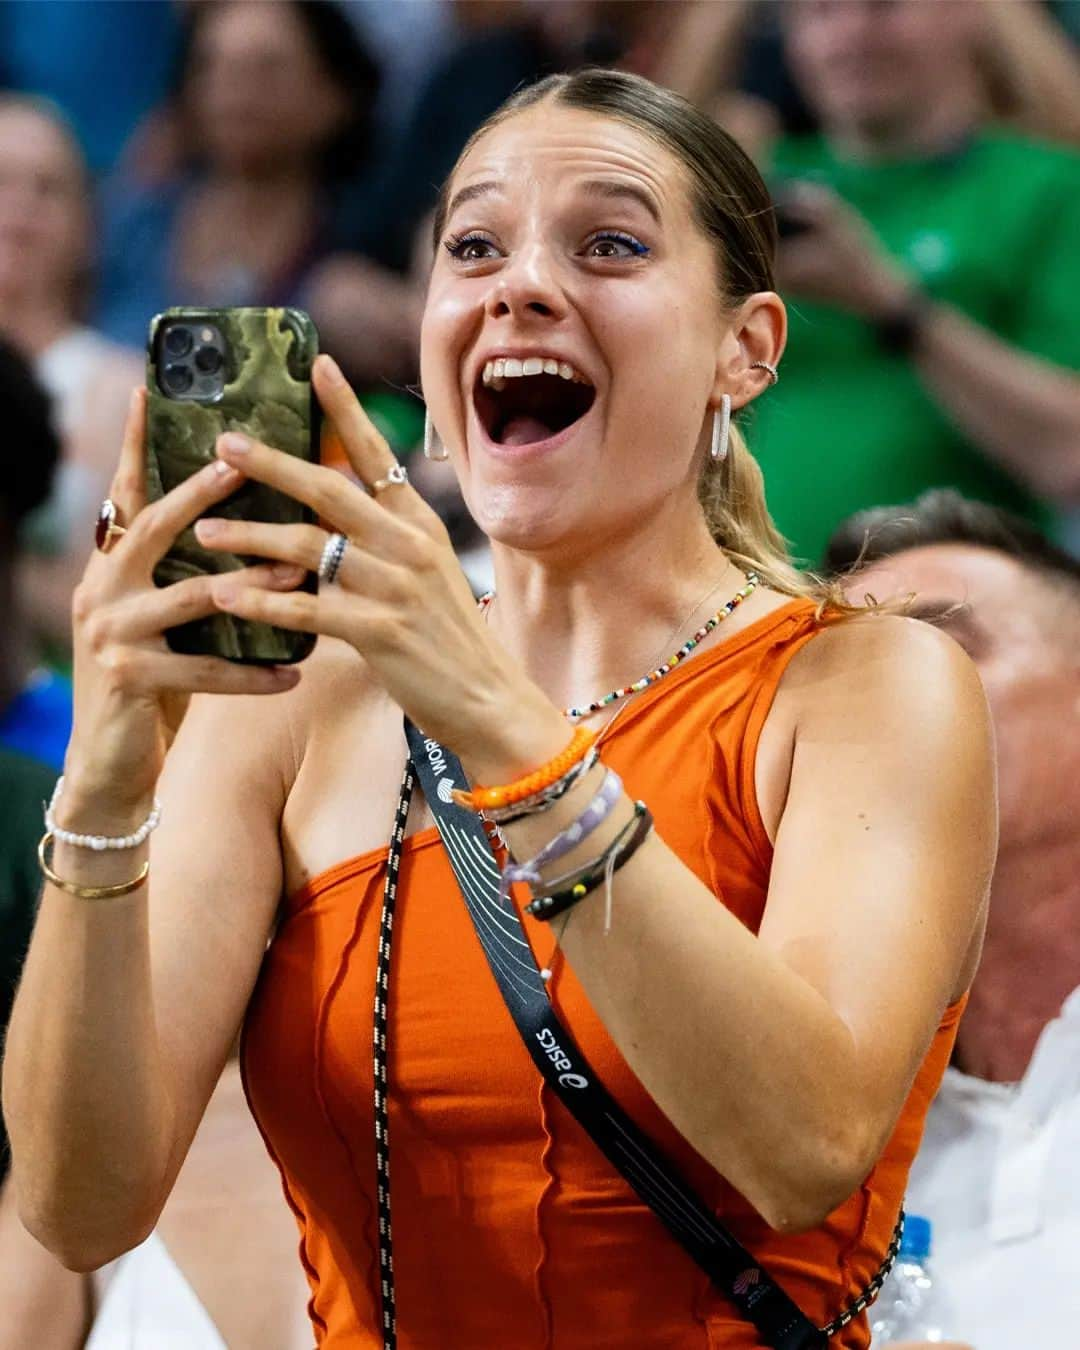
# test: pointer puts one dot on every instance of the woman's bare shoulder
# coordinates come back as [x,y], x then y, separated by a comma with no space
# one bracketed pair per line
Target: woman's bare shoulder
[880,656]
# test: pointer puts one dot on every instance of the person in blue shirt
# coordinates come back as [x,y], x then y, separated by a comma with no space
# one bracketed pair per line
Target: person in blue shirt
[35,703]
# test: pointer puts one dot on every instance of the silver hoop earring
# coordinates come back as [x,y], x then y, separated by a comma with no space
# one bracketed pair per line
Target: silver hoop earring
[721,427]
[774,374]
[430,445]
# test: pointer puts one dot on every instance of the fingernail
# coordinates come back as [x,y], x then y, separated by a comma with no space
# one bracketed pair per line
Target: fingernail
[234,443]
[226,471]
[332,371]
[286,572]
[209,528]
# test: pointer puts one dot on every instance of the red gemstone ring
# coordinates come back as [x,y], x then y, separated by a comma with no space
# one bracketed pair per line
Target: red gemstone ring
[108,527]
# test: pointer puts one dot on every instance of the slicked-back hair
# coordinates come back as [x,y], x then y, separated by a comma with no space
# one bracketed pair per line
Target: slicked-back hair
[943,516]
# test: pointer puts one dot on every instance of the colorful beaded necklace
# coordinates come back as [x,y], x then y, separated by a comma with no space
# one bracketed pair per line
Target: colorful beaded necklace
[684,651]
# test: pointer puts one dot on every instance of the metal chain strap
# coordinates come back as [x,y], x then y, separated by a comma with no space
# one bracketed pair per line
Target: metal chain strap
[380,1057]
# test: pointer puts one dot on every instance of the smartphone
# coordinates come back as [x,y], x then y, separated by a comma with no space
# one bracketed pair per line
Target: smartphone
[214,370]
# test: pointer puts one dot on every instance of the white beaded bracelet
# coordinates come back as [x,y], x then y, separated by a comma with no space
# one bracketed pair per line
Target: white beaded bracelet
[99,842]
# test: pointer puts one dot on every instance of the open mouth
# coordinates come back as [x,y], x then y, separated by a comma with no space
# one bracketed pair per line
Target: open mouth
[527,401]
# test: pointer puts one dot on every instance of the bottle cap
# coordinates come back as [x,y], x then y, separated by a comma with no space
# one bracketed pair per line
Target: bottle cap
[915,1243]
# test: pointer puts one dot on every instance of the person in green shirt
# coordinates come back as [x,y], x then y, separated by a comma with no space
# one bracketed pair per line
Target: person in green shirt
[933,272]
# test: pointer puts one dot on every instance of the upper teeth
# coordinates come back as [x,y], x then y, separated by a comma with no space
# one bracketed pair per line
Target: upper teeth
[509,368]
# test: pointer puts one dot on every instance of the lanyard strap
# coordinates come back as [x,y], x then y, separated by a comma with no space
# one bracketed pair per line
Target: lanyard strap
[564,1068]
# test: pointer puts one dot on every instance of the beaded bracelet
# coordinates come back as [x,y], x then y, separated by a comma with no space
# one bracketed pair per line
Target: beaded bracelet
[617,854]
[510,794]
[99,842]
[597,811]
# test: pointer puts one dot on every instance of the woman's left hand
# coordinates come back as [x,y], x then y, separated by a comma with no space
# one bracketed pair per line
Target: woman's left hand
[399,597]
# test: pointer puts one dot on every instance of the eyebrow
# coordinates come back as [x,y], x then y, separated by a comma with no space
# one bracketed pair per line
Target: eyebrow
[470,193]
[610,189]
[606,188]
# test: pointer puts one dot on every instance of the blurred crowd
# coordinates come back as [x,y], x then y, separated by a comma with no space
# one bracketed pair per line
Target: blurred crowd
[924,157]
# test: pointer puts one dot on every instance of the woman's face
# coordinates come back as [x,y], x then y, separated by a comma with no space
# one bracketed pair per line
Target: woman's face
[257,92]
[570,240]
[44,213]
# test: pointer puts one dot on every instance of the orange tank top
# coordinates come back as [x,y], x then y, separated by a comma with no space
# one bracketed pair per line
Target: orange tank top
[510,1228]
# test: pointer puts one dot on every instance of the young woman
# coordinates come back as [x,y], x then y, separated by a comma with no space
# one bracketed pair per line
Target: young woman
[772,985]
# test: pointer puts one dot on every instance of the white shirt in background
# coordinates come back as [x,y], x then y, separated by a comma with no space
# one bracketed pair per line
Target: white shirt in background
[998,1175]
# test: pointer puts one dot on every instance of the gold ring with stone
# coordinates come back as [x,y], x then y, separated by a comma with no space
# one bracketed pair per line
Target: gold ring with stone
[108,525]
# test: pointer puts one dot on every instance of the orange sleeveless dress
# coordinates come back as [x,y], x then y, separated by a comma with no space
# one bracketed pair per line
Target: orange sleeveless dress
[511,1231]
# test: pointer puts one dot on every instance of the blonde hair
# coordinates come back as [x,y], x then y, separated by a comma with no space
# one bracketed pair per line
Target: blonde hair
[732,207]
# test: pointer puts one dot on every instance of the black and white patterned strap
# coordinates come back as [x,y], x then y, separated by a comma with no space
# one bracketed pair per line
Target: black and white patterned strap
[380,1056]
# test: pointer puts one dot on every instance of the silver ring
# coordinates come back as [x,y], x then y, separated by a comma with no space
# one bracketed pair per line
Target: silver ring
[332,554]
[774,374]
[397,474]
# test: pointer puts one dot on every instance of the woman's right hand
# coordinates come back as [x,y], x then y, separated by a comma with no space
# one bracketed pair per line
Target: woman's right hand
[131,690]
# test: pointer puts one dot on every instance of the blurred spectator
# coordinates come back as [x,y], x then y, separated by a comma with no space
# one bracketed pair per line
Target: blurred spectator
[274,109]
[407,39]
[46,226]
[25,784]
[999,1169]
[1030,69]
[35,707]
[103,62]
[931,265]
[498,46]
[35,704]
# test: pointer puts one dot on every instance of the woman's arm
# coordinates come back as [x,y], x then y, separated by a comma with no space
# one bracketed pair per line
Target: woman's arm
[127,1008]
[1021,411]
[44,1305]
[785,1058]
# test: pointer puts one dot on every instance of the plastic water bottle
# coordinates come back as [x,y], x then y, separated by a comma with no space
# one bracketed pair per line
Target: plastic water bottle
[911,1306]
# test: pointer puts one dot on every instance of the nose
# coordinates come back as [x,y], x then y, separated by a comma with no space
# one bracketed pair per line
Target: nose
[527,286]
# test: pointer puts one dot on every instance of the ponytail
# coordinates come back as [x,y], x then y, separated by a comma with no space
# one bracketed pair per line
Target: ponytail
[732,495]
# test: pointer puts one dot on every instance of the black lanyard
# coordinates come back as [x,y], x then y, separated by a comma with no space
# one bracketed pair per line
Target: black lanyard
[728,1264]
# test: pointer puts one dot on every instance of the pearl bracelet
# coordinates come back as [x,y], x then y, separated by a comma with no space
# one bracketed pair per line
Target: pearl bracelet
[99,842]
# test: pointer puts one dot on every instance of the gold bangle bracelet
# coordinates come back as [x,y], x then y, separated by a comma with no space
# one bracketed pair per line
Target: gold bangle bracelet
[87,892]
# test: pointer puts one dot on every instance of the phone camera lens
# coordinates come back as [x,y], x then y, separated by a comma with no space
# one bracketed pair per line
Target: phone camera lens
[177,379]
[178,341]
[208,360]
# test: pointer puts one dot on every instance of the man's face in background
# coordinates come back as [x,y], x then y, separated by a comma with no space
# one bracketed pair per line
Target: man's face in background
[1022,631]
[870,65]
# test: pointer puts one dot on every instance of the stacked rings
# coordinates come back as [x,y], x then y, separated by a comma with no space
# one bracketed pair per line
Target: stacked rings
[332,554]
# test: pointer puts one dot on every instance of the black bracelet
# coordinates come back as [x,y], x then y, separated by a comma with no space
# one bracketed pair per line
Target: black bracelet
[621,849]
[898,333]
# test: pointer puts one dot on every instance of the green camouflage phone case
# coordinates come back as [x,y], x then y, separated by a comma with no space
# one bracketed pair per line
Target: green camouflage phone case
[267,394]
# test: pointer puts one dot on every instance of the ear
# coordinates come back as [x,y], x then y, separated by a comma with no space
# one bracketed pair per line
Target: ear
[757,331]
